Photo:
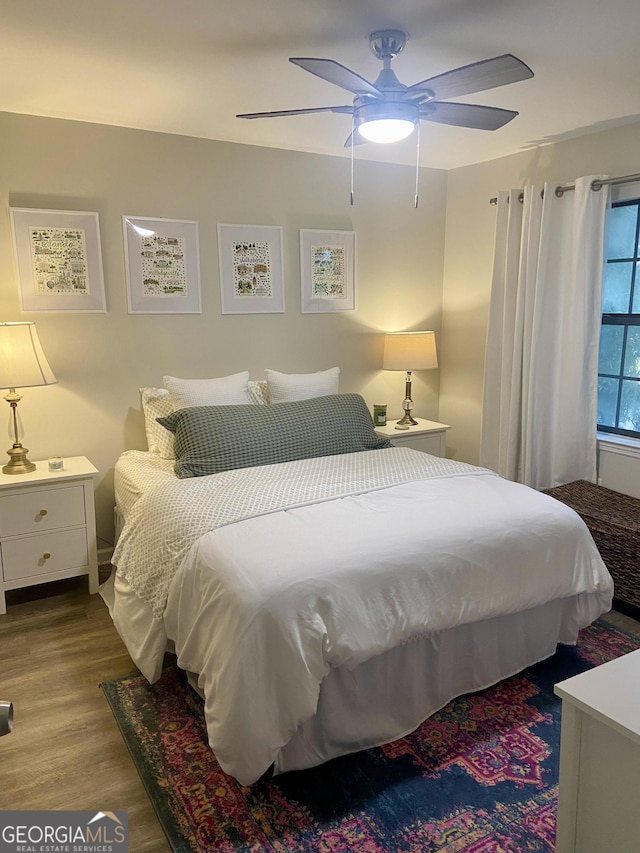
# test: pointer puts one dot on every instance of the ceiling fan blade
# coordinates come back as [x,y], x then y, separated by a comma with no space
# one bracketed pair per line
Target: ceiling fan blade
[476,77]
[354,138]
[337,74]
[276,113]
[467,115]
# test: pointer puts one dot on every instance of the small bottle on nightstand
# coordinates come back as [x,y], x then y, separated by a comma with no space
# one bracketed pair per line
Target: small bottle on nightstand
[380,414]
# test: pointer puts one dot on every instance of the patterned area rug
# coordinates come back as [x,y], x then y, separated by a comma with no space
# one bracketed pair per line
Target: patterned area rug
[480,776]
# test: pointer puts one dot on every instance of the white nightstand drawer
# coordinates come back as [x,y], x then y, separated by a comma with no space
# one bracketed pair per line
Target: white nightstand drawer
[30,556]
[425,436]
[44,509]
[423,442]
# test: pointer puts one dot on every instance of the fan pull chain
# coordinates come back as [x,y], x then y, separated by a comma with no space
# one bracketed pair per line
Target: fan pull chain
[415,201]
[353,133]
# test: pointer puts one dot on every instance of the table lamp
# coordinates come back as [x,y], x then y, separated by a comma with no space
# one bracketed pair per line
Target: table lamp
[409,351]
[23,364]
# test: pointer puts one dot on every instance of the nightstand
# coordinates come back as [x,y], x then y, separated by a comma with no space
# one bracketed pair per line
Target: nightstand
[47,526]
[600,758]
[427,436]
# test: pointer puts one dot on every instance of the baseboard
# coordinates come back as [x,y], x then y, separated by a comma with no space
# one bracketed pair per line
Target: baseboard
[626,608]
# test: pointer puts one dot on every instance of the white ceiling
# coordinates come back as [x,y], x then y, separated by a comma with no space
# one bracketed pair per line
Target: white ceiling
[188,66]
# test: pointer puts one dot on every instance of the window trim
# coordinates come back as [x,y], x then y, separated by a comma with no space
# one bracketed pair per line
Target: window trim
[625,320]
[619,444]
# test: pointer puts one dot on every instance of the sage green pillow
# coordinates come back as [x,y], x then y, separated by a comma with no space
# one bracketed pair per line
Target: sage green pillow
[211,439]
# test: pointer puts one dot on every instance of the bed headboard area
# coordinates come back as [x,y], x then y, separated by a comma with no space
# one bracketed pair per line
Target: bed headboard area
[213,425]
[236,389]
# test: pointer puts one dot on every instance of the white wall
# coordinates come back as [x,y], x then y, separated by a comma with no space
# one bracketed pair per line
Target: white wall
[102,359]
[470,227]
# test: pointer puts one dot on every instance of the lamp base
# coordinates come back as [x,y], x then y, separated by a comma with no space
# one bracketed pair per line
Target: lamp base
[406,421]
[18,462]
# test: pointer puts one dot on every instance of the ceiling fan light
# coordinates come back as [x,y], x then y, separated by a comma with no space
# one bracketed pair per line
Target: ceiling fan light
[385,121]
[386,129]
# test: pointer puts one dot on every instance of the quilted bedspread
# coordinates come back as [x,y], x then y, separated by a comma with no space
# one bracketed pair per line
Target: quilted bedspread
[265,578]
[169,517]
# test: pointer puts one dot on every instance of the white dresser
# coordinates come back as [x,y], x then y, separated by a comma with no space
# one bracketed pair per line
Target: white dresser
[47,526]
[427,436]
[599,793]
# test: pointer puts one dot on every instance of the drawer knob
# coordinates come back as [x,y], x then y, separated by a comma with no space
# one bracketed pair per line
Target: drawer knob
[46,555]
[42,512]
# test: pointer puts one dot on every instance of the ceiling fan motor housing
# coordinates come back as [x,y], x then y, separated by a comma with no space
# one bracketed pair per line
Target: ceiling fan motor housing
[378,110]
[387,44]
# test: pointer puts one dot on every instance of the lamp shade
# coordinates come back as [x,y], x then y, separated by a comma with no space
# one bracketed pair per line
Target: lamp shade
[23,364]
[410,351]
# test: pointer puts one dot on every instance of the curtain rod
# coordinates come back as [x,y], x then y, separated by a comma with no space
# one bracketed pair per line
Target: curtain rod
[595,186]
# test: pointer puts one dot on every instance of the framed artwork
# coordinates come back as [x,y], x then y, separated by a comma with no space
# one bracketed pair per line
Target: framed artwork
[327,270]
[162,264]
[251,279]
[58,259]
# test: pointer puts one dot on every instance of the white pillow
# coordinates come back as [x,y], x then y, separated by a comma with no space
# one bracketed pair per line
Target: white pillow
[225,391]
[156,403]
[285,387]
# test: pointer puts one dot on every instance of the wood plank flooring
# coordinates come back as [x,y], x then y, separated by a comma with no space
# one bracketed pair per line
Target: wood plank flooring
[57,644]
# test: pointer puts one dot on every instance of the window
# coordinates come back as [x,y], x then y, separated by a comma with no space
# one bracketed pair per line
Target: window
[619,360]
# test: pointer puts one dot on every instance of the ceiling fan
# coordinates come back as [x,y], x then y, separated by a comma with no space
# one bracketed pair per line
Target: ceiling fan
[387,110]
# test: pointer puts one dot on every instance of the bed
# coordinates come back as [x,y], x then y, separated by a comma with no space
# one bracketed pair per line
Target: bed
[330,600]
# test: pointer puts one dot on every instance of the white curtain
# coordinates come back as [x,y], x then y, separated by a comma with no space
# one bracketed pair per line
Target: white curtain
[541,370]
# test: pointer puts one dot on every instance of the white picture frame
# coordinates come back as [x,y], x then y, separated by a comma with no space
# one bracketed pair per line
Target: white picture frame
[251,269]
[327,271]
[162,262]
[58,259]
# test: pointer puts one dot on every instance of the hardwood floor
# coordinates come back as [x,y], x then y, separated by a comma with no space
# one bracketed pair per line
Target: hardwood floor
[57,644]
[624,622]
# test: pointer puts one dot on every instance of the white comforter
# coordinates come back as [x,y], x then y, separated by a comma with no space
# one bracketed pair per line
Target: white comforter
[262,607]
